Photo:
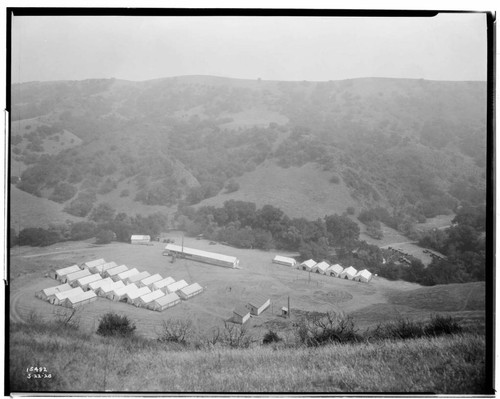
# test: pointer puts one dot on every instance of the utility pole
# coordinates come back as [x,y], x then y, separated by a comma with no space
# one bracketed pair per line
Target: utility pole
[289,315]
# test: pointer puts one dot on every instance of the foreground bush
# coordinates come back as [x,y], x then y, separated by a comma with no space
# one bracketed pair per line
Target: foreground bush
[112,324]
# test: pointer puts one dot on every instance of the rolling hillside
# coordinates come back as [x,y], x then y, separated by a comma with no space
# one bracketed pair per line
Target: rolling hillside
[312,148]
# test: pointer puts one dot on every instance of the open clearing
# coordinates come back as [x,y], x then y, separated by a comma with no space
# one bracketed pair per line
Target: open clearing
[369,304]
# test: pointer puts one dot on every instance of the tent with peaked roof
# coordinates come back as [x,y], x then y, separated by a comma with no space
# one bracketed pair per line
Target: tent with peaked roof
[119,294]
[349,273]
[136,278]
[364,276]
[149,298]
[133,296]
[92,263]
[190,291]
[58,297]
[307,265]
[148,281]
[320,267]
[114,271]
[174,287]
[162,284]
[79,300]
[60,273]
[47,292]
[99,283]
[106,290]
[165,302]
[71,278]
[125,275]
[102,267]
[85,281]
[334,270]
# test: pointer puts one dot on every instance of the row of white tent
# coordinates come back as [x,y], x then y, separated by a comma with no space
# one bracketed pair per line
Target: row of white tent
[117,283]
[325,268]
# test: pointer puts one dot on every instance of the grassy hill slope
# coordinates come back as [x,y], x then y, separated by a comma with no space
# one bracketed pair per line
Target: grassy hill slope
[86,362]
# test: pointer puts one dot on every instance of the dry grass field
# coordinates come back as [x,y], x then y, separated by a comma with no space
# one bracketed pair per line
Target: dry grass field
[370,304]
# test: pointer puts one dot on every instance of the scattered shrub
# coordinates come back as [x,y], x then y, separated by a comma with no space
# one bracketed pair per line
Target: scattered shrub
[440,325]
[178,331]
[104,236]
[271,337]
[112,324]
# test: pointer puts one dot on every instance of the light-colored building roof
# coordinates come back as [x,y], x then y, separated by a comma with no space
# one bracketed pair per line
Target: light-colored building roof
[88,279]
[163,283]
[103,267]
[350,271]
[66,294]
[82,297]
[76,275]
[241,311]
[68,270]
[138,277]
[176,286]
[109,287]
[322,266]
[93,263]
[139,237]
[126,289]
[284,259]
[99,283]
[364,273]
[191,289]
[116,270]
[308,263]
[166,299]
[58,288]
[335,268]
[258,300]
[128,273]
[134,294]
[198,252]
[151,279]
[152,296]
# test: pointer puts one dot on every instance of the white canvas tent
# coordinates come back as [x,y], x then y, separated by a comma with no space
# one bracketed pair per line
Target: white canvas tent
[162,284]
[59,274]
[137,277]
[165,302]
[115,271]
[119,294]
[149,298]
[71,278]
[176,286]
[363,276]
[85,281]
[148,281]
[106,290]
[349,273]
[79,300]
[102,267]
[283,260]
[320,267]
[59,297]
[92,263]
[99,283]
[307,265]
[133,296]
[126,274]
[202,256]
[334,270]
[190,291]
[47,292]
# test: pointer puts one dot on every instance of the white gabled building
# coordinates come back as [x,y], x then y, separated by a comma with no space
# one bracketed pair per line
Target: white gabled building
[115,271]
[349,273]
[47,292]
[240,315]
[174,287]
[334,270]
[59,297]
[95,285]
[258,304]
[140,239]
[363,276]
[59,274]
[148,281]
[165,302]
[80,300]
[320,267]
[92,263]
[307,265]
[190,291]
[148,299]
[283,260]
[125,275]
[201,256]
[119,294]
[106,290]
[137,277]
[71,278]
[85,281]
[133,296]
[162,284]
[102,267]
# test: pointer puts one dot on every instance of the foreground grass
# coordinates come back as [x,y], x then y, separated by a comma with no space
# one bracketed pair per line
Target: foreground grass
[86,362]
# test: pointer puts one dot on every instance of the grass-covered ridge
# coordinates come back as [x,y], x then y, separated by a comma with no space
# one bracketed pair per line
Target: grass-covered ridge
[77,361]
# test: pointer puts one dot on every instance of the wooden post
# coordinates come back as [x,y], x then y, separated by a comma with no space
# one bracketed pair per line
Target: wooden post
[289,310]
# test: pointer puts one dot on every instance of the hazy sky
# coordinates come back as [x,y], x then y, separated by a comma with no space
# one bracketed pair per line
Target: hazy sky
[446,47]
